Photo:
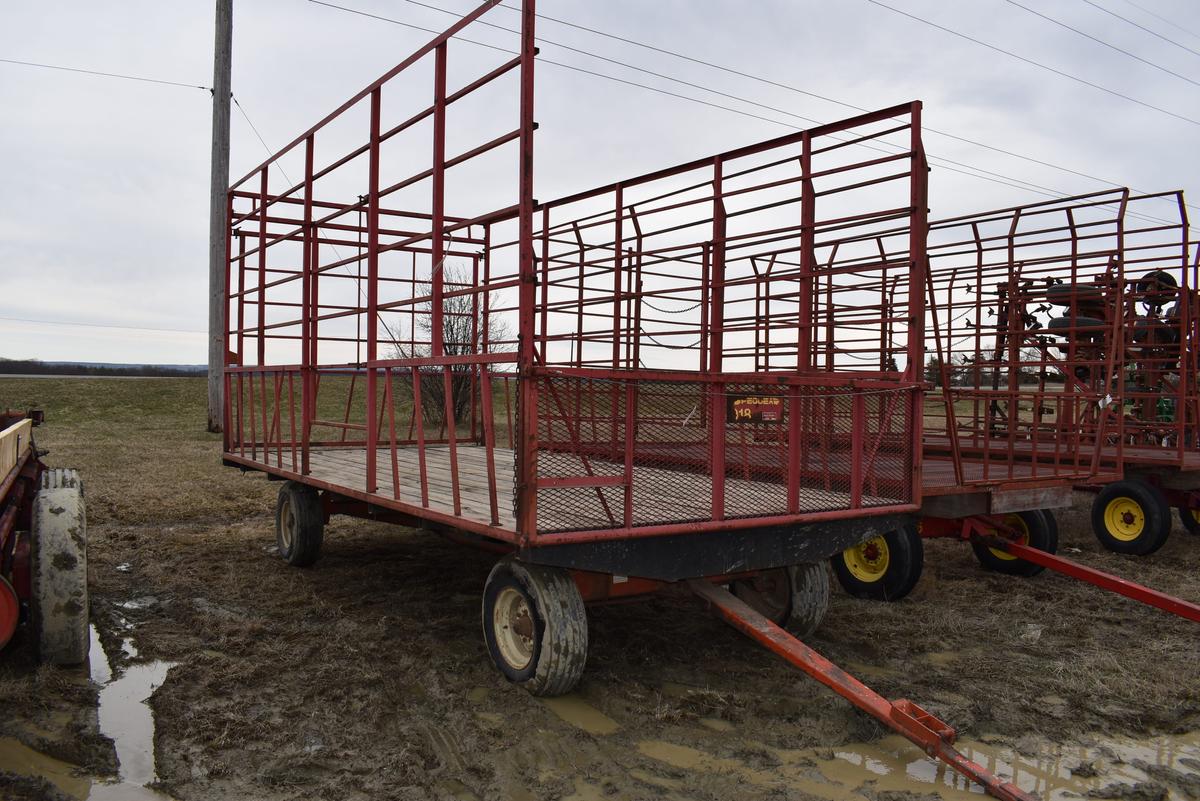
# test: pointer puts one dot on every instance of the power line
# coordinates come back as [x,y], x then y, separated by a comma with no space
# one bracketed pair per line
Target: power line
[1164,19]
[102,325]
[969,169]
[104,74]
[1102,42]
[979,171]
[1154,33]
[807,93]
[1038,64]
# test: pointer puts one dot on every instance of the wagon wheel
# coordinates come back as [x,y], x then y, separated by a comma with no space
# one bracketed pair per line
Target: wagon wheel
[58,546]
[883,568]
[1037,528]
[1190,519]
[535,626]
[769,593]
[810,597]
[1131,517]
[299,524]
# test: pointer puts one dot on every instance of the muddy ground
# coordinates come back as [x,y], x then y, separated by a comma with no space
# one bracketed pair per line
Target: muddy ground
[366,676]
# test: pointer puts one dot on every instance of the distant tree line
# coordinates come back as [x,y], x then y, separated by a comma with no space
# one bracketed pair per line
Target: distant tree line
[35,367]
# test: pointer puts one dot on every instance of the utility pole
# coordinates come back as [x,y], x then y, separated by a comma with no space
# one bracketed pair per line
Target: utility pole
[217,224]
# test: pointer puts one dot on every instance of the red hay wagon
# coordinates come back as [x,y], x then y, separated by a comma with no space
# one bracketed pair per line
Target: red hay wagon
[710,375]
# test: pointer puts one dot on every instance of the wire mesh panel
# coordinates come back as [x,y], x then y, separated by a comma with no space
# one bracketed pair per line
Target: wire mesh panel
[617,453]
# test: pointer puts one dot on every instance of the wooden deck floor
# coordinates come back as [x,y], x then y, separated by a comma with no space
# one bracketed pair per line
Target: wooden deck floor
[660,496]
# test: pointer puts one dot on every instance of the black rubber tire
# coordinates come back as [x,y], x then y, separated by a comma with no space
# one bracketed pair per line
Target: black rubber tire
[810,597]
[1149,332]
[1190,524]
[559,636]
[1086,328]
[1042,534]
[300,505]
[1157,282]
[1051,523]
[769,593]
[58,550]
[1148,501]
[1082,295]
[905,561]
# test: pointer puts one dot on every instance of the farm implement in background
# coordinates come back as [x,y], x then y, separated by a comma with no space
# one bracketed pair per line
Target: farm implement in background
[43,546]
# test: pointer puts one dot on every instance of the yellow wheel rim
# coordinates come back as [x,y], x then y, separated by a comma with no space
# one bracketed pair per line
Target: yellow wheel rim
[868,561]
[1017,522]
[1125,519]
[1195,513]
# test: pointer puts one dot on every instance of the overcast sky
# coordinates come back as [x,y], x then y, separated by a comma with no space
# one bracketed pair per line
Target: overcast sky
[104,184]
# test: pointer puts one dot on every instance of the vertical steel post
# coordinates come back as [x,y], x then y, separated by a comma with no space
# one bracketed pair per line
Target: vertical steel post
[527,400]
[437,347]
[307,349]
[917,268]
[262,267]
[373,293]
[716,389]
[226,335]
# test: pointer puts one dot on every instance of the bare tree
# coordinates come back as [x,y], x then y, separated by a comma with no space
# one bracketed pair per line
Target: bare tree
[466,331]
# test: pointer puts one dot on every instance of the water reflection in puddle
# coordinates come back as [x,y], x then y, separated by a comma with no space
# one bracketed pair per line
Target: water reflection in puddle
[125,718]
[893,764]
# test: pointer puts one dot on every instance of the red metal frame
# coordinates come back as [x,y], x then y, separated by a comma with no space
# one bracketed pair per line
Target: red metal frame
[994,531]
[919,726]
[617,326]
[1018,399]
[17,490]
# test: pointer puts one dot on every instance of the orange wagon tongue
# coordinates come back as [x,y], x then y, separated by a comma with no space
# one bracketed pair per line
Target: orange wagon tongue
[934,737]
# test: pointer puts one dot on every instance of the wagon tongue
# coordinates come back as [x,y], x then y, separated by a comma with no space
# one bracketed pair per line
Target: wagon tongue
[934,737]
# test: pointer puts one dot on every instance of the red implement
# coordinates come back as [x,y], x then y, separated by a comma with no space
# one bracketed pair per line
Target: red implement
[933,736]
[1107,581]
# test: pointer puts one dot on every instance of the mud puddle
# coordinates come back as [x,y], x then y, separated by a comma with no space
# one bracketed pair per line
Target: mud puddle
[124,717]
[1097,768]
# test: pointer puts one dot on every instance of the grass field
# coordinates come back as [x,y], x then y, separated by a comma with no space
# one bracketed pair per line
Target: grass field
[366,677]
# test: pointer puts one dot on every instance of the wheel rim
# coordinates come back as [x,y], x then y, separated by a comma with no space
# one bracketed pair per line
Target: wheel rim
[1195,513]
[769,593]
[868,561]
[1125,519]
[512,622]
[1017,522]
[287,524]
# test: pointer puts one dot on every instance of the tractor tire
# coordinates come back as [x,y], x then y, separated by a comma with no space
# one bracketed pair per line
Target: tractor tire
[58,569]
[1131,517]
[1190,519]
[535,626]
[769,593]
[1038,532]
[1083,328]
[1082,295]
[1156,288]
[810,597]
[884,568]
[299,524]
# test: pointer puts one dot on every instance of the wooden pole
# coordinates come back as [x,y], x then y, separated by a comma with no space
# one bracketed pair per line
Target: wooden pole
[217,222]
